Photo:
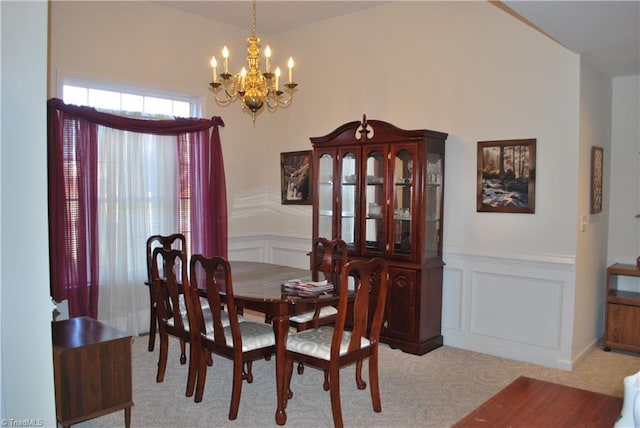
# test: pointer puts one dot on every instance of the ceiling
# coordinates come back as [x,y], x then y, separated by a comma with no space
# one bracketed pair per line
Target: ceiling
[605,33]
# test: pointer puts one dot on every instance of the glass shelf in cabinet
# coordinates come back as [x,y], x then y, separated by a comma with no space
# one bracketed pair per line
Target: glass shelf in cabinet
[372,179]
[404,182]
[325,213]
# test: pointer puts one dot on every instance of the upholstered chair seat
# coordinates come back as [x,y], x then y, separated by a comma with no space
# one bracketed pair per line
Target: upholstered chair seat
[325,311]
[208,319]
[254,335]
[317,342]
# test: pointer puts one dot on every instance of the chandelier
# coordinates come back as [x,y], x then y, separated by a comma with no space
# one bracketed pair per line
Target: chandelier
[255,88]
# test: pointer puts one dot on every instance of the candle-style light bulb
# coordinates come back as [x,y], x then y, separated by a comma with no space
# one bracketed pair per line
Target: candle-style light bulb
[290,64]
[214,65]
[243,76]
[277,78]
[225,55]
[267,55]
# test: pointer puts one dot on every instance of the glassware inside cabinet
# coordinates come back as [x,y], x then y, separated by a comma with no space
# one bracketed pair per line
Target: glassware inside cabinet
[325,196]
[403,179]
[433,198]
[374,201]
[348,189]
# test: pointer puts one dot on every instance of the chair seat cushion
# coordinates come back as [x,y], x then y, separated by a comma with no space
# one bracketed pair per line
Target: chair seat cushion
[317,342]
[208,319]
[204,303]
[325,311]
[254,335]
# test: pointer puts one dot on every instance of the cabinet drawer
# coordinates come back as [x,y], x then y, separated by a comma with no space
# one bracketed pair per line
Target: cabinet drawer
[623,325]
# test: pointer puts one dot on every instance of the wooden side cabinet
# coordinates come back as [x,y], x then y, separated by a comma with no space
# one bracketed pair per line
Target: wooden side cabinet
[622,315]
[92,370]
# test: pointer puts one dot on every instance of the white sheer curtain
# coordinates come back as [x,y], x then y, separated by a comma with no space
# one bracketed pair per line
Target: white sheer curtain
[137,194]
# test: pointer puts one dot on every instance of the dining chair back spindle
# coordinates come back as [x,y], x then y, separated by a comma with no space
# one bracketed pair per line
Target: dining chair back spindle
[226,335]
[331,348]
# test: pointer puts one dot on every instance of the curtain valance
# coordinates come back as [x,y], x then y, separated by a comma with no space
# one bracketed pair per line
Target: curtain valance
[148,126]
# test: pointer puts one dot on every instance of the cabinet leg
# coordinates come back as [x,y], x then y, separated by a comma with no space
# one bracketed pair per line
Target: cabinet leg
[127,417]
[606,349]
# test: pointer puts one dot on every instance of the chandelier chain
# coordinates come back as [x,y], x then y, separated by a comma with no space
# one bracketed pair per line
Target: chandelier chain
[253,24]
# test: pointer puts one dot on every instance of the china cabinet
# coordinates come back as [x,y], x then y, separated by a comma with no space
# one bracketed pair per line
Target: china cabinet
[380,189]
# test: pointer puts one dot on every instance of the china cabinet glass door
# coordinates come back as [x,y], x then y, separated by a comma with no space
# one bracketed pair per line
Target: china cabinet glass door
[402,203]
[325,195]
[348,192]
[433,196]
[375,200]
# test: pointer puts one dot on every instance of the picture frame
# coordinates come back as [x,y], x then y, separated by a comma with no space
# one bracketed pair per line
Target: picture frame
[506,177]
[295,176]
[597,165]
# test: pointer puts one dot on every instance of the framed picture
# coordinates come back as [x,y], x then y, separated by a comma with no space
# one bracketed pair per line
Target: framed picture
[506,176]
[296,177]
[597,161]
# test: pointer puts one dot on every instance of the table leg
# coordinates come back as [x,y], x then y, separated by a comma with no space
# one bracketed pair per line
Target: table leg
[280,328]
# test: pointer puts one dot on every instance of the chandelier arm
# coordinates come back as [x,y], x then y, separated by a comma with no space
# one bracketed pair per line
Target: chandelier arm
[224,101]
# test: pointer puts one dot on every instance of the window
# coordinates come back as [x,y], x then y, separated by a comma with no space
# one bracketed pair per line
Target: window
[151,105]
[129,101]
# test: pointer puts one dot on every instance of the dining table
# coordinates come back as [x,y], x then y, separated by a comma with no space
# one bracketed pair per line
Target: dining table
[259,287]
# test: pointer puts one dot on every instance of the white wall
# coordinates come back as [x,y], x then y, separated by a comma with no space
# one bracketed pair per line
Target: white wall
[624,188]
[26,364]
[591,256]
[468,69]
[465,68]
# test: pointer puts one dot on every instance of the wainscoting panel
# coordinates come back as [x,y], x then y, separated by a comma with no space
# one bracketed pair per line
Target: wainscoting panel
[452,294]
[513,306]
[281,250]
[532,305]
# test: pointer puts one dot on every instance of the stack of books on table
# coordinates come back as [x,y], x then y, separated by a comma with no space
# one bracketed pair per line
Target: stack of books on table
[305,286]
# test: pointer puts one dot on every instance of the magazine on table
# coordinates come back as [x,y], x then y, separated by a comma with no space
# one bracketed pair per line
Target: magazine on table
[308,285]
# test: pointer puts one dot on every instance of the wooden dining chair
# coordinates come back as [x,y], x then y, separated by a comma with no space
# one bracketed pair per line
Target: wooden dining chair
[175,241]
[331,348]
[326,260]
[242,342]
[172,309]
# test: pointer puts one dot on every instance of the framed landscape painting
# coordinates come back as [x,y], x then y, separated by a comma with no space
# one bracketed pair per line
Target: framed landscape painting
[296,177]
[597,160]
[506,176]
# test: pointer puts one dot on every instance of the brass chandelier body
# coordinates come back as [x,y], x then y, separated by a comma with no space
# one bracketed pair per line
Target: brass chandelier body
[253,87]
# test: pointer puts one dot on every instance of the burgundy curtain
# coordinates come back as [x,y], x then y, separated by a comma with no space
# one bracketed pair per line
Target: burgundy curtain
[72,167]
[73,231]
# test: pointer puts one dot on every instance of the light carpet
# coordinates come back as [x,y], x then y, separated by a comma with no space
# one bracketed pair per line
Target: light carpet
[433,390]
